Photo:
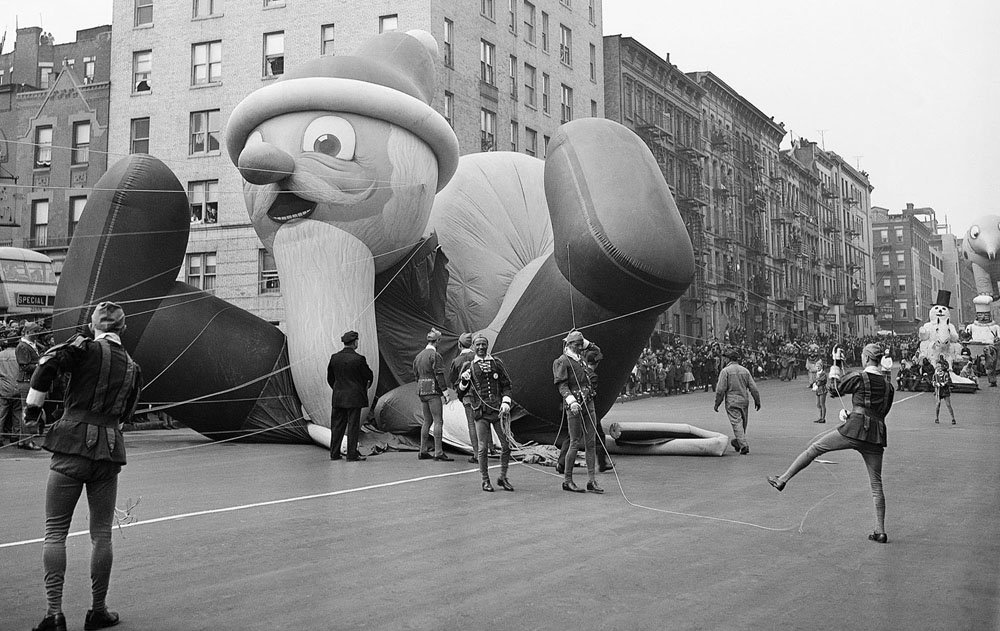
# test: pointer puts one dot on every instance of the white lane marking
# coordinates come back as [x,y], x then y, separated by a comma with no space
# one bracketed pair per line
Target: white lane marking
[230,509]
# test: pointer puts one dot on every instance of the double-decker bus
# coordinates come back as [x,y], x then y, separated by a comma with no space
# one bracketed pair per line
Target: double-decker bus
[27,284]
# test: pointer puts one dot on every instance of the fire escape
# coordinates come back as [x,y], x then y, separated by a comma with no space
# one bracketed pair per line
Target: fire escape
[689,192]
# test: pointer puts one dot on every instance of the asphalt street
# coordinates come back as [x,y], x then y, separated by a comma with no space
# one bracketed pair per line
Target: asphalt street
[256,536]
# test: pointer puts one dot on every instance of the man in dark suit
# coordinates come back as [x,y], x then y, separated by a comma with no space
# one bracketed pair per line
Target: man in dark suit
[349,375]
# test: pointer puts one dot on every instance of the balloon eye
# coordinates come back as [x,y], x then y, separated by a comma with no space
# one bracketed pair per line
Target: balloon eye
[330,135]
[974,232]
[328,144]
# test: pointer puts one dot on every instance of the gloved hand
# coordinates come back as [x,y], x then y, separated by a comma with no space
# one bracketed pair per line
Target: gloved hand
[756,406]
[574,407]
[32,414]
[843,415]
[466,375]
[505,408]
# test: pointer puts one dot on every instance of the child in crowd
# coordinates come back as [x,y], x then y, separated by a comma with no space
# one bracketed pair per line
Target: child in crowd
[942,390]
[820,387]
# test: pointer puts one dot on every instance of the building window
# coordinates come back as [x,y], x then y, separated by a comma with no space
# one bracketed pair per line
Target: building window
[39,222]
[487,62]
[885,260]
[884,235]
[268,274]
[45,75]
[566,104]
[530,78]
[488,129]
[76,206]
[89,67]
[449,108]
[203,200]
[545,147]
[591,13]
[204,8]
[139,136]
[530,141]
[43,147]
[900,261]
[903,311]
[142,70]
[545,31]
[513,77]
[143,12]
[274,54]
[206,63]
[565,45]
[81,143]
[449,38]
[899,235]
[529,22]
[388,23]
[887,285]
[593,108]
[486,9]
[512,16]
[545,93]
[901,284]
[593,63]
[200,270]
[513,135]
[204,132]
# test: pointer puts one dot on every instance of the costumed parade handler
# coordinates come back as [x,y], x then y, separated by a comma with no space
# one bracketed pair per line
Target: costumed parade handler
[572,380]
[485,388]
[88,450]
[862,429]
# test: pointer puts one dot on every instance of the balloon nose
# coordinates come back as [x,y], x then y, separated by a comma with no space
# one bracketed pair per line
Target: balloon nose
[263,163]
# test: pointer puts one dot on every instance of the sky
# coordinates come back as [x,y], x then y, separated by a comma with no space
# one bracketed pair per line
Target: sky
[903,89]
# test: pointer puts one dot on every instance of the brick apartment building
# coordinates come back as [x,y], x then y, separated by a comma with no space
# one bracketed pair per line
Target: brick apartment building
[509,72]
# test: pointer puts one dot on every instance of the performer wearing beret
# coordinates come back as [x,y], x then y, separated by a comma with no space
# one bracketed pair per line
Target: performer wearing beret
[459,364]
[428,368]
[572,379]
[88,450]
[484,386]
[863,430]
[350,376]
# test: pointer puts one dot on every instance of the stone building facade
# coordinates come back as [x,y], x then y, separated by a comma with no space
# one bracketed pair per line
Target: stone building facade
[54,106]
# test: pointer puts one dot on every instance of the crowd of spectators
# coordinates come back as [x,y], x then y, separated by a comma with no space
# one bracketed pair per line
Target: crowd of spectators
[678,368]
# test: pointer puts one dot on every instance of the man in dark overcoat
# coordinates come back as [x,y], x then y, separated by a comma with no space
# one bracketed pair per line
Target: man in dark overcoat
[350,376]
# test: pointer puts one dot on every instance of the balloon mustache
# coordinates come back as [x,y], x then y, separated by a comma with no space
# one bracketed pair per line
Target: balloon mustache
[316,182]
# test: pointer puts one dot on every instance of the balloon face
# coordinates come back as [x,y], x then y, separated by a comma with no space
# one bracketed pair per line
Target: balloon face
[982,241]
[366,177]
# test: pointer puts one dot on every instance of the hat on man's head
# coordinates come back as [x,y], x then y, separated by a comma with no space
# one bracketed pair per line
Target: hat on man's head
[31,328]
[573,336]
[108,316]
[731,352]
[465,340]
[350,337]
[873,350]
[433,335]
[480,336]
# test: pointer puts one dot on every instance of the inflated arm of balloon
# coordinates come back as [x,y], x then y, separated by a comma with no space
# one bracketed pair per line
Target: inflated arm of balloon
[222,371]
[620,256]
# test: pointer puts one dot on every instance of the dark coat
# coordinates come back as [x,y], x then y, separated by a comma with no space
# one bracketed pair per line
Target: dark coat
[349,375]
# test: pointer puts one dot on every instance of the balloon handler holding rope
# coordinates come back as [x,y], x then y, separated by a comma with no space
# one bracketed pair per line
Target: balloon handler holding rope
[353,181]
